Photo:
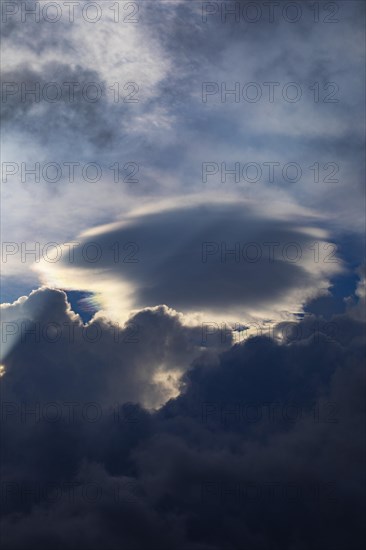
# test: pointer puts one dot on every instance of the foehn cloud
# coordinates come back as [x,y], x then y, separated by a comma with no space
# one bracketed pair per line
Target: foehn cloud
[226,260]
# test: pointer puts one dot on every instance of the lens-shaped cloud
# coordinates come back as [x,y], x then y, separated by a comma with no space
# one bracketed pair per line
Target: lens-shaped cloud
[223,260]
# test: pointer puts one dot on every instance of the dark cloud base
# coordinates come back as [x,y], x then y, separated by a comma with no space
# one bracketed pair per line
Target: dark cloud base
[263,449]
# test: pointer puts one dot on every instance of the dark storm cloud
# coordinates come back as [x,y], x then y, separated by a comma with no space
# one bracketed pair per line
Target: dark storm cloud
[212,468]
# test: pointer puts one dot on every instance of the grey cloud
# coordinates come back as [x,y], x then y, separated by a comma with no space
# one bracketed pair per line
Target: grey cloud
[197,474]
[181,257]
[118,362]
[71,115]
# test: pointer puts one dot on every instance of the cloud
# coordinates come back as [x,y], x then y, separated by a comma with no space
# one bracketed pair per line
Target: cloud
[170,132]
[146,427]
[263,447]
[142,360]
[224,260]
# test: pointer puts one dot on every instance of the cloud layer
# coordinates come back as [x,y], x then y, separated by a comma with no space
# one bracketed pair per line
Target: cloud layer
[263,447]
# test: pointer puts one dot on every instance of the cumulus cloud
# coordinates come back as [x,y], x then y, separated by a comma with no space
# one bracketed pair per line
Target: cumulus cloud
[142,360]
[263,447]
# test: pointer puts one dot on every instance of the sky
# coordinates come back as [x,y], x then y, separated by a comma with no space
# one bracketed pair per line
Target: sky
[182,282]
